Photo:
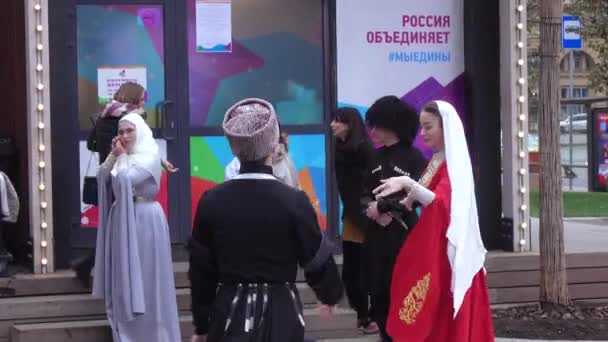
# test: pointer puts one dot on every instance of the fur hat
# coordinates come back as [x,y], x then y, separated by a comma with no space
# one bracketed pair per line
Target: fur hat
[252,129]
[391,113]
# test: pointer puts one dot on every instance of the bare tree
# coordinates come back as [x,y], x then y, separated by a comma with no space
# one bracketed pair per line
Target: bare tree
[554,285]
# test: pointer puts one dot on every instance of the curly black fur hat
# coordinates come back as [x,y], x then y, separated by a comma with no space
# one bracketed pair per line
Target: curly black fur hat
[389,112]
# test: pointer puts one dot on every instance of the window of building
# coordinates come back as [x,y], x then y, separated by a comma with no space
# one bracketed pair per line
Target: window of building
[577,92]
[582,62]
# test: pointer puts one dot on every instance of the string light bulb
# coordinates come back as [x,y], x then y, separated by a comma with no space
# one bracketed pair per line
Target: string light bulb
[518,50]
[38,63]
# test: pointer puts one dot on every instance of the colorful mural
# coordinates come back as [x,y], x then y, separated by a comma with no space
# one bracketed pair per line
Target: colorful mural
[265,49]
[210,155]
[119,36]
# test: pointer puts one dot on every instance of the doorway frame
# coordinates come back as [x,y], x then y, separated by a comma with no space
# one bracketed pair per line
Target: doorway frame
[70,236]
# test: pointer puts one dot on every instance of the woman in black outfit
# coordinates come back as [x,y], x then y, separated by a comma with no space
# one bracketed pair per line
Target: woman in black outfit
[353,156]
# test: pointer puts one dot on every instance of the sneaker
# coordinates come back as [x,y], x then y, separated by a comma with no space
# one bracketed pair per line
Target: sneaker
[368,327]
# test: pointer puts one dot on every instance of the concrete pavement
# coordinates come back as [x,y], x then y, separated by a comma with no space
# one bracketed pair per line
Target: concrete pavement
[580,235]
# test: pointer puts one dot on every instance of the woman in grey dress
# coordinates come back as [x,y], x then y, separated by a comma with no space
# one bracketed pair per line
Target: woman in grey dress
[133,266]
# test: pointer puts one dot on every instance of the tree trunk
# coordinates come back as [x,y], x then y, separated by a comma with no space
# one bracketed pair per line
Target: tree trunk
[553,283]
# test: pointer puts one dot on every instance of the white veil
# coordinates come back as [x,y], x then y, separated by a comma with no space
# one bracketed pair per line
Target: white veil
[466,251]
[145,149]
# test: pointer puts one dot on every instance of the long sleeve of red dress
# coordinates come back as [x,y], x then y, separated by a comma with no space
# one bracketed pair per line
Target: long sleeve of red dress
[421,299]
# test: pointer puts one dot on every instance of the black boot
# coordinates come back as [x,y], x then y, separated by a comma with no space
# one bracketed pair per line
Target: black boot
[83,269]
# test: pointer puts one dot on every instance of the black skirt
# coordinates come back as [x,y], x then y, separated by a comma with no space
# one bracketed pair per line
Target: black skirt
[257,313]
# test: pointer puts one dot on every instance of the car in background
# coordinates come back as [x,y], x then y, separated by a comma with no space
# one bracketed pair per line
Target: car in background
[579,123]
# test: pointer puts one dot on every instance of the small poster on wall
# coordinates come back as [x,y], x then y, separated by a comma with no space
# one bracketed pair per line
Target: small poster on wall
[602,149]
[109,79]
[213,26]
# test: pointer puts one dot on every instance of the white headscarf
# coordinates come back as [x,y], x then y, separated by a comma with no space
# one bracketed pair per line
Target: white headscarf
[144,151]
[465,247]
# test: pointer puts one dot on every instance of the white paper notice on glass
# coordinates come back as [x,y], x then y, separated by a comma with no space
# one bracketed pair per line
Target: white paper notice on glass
[110,78]
[213,26]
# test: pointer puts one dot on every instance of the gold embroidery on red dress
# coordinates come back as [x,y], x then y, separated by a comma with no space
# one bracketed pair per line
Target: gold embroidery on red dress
[414,301]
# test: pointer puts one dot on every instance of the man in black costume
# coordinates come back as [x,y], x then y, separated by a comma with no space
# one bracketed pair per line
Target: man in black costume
[249,235]
[394,126]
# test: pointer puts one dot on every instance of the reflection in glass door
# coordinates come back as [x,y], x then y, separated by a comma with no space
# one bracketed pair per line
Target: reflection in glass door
[118,43]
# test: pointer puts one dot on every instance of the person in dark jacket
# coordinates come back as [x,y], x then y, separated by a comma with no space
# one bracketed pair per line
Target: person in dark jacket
[353,156]
[129,98]
[249,235]
[394,126]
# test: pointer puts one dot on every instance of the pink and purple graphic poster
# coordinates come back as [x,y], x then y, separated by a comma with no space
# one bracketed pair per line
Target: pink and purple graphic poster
[602,148]
[411,49]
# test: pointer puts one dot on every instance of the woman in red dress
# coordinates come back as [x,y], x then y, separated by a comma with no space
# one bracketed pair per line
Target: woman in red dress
[438,291]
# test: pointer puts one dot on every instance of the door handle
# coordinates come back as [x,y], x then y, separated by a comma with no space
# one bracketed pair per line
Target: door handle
[167,122]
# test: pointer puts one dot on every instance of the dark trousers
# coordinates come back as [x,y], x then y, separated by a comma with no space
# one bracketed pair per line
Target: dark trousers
[384,244]
[353,275]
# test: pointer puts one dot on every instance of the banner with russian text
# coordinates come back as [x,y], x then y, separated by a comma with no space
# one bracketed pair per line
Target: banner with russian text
[412,49]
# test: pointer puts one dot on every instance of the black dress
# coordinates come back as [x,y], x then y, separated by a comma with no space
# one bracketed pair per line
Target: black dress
[249,236]
[384,243]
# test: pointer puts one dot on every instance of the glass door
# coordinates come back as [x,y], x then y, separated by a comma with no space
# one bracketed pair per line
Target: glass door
[120,41]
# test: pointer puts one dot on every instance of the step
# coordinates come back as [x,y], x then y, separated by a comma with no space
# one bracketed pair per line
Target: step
[65,281]
[24,310]
[512,278]
[15,308]
[99,330]
[64,305]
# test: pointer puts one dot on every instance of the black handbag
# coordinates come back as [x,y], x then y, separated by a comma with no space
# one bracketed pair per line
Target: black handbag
[92,138]
[92,141]
[89,188]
